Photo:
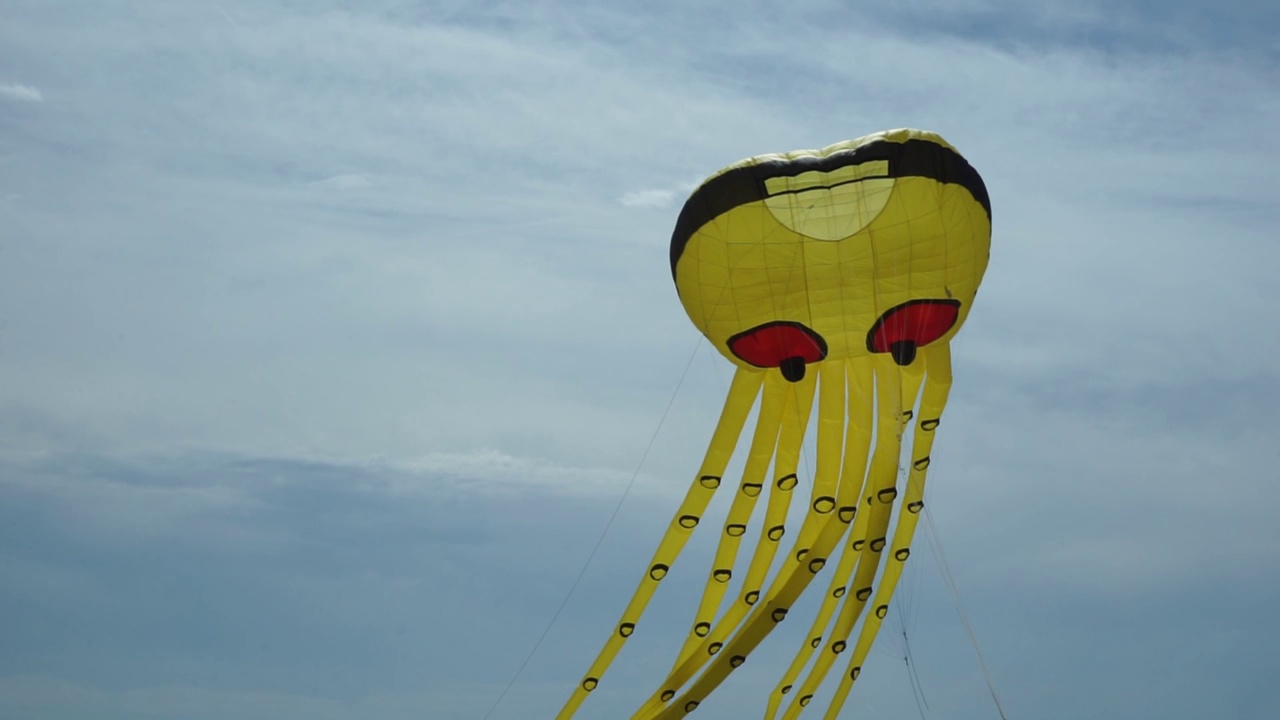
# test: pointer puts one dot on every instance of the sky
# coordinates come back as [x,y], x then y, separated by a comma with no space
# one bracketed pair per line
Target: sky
[342,376]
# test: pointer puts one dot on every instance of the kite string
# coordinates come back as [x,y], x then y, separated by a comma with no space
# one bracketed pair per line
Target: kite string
[917,692]
[600,540]
[941,557]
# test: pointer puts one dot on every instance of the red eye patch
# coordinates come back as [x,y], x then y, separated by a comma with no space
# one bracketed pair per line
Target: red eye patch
[911,325]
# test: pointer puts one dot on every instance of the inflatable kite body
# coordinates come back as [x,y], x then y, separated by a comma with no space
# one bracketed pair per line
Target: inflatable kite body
[838,276]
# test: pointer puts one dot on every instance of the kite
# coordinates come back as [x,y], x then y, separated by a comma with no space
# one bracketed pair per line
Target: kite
[838,277]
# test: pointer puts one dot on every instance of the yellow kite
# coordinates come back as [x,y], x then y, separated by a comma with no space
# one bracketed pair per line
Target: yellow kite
[841,274]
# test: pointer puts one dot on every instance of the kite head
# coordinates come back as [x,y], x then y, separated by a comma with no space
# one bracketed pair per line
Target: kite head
[874,245]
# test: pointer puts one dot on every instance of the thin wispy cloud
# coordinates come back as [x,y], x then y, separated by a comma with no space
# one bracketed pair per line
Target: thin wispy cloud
[342,182]
[648,198]
[660,197]
[25,93]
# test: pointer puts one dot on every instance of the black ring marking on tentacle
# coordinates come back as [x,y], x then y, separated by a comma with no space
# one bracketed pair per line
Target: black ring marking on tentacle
[710,482]
[815,642]
[854,673]
[816,564]
[915,507]
[838,647]
[882,611]
[776,532]
[689,522]
[668,694]
[658,571]
[722,575]
[929,425]
[786,482]
[786,689]
[735,529]
[701,629]
[691,706]
[824,504]
[751,597]
[751,489]
[801,553]
[804,701]
[779,614]
[887,495]
[737,660]
[839,592]
[590,683]
[863,594]
[877,545]
[921,464]
[714,648]
[902,555]
[625,629]
[846,513]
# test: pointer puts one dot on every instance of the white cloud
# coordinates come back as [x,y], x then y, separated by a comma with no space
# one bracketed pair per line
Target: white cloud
[495,471]
[648,198]
[662,197]
[342,182]
[21,92]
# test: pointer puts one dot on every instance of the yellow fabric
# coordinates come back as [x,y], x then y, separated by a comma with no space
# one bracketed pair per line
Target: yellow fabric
[742,394]
[797,574]
[773,529]
[747,268]
[778,399]
[937,363]
[857,445]
[699,649]
[841,273]
[895,391]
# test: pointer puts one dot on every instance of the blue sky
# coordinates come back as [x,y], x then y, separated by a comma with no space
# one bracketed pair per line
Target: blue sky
[331,335]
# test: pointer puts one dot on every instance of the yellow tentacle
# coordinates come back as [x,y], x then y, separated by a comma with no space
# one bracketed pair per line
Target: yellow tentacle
[737,406]
[857,446]
[798,574]
[778,401]
[705,640]
[895,391]
[937,363]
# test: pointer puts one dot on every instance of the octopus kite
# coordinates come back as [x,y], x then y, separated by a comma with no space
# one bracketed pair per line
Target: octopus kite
[837,276]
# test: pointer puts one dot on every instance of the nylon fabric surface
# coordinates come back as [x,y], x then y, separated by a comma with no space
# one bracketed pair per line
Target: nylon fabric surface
[837,278]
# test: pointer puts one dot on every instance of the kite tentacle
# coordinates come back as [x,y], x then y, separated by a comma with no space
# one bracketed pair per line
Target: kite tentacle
[856,447]
[937,363]
[706,640]
[774,407]
[796,575]
[744,389]
[880,490]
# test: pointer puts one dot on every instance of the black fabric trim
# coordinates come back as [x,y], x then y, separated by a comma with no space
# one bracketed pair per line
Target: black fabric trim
[913,158]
